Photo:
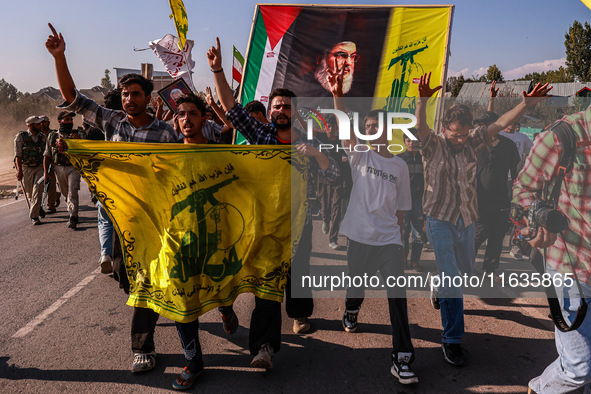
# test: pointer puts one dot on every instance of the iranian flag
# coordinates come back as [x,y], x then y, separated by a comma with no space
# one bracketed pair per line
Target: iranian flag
[237,66]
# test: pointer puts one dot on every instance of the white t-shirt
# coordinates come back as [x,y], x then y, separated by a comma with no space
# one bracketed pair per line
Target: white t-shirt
[381,186]
[522,141]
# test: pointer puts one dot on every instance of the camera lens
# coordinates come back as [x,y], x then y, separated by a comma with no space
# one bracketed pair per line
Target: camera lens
[553,220]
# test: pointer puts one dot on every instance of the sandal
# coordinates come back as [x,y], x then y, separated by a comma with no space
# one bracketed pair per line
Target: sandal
[185,380]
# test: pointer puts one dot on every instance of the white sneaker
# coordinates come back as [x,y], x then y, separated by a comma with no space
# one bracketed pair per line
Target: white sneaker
[106,264]
[334,245]
[263,359]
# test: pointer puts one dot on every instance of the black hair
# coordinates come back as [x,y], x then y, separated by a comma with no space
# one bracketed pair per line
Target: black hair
[192,98]
[457,114]
[128,79]
[255,106]
[113,99]
[281,92]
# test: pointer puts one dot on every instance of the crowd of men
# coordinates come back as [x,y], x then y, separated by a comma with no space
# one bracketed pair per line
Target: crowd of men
[451,189]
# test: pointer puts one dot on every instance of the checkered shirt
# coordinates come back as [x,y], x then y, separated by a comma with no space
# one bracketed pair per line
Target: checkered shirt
[575,195]
[116,125]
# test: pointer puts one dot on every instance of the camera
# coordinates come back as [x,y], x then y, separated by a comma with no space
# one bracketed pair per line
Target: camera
[541,214]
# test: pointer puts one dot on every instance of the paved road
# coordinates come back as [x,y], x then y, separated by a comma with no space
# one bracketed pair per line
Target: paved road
[65,328]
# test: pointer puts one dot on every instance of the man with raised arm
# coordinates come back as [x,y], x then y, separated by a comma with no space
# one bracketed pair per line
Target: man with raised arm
[373,225]
[449,201]
[133,125]
[265,331]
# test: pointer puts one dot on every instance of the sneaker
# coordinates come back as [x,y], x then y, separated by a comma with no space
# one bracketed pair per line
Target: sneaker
[264,357]
[401,369]
[434,296]
[517,256]
[230,322]
[350,320]
[106,264]
[35,221]
[57,202]
[453,354]
[41,212]
[143,362]
[334,245]
[301,325]
[73,222]
[324,227]
[51,210]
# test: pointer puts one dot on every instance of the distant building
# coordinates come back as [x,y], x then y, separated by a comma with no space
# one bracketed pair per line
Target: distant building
[159,78]
[563,94]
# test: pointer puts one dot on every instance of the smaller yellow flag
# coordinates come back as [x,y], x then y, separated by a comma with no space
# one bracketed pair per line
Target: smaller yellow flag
[180,20]
[587,3]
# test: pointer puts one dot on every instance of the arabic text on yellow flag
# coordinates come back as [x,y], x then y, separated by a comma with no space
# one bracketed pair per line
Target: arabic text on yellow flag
[179,14]
[199,224]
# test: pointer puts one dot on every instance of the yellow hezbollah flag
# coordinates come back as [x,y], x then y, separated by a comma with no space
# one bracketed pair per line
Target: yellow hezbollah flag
[180,21]
[416,43]
[198,224]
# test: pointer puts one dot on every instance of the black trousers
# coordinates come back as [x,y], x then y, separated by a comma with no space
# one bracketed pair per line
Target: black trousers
[492,224]
[265,323]
[143,324]
[389,260]
[189,336]
[331,196]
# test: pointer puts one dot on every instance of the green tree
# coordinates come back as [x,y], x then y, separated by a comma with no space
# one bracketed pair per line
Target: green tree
[550,76]
[578,51]
[8,92]
[494,74]
[106,81]
[454,85]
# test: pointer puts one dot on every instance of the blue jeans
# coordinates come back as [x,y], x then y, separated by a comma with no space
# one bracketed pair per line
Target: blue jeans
[572,369]
[453,245]
[413,225]
[105,230]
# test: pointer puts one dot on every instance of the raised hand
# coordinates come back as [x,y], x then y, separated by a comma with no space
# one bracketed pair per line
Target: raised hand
[493,91]
[214,56]
[424,89]
[208,96]
[335,78]
[55,43]
[538,93]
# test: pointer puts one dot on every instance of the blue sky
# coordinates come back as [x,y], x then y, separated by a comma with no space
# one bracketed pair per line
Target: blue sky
[519,36]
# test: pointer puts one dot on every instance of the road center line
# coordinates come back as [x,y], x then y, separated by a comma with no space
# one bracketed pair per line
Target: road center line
[55,306]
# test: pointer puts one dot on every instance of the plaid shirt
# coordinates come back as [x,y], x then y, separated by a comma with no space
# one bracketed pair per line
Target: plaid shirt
[259,133]
[116,125]
[575,194]
[450,178]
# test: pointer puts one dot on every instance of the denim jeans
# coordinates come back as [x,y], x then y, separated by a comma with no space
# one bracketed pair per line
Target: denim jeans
[453,245]
[572,369]
[105,230]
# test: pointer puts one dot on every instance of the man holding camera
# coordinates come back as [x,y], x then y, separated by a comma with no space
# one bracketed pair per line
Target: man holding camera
[568,252]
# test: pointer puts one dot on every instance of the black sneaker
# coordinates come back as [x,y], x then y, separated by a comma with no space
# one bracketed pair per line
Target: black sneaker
[73,222]
[41,212]
[401,369]
[35,221]
[350,320]
[453,354]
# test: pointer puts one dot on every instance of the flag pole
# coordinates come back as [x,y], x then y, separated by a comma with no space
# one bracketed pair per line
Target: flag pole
[188,70]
